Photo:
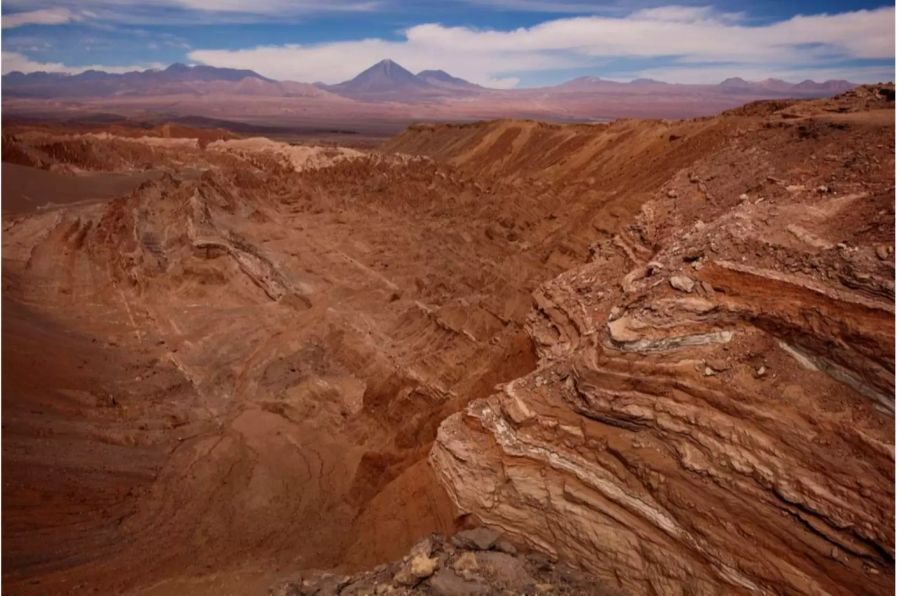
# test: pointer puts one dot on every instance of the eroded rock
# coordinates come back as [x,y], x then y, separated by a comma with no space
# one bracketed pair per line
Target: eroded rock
[737,440]
[682,283]
[460,567]
[476,539]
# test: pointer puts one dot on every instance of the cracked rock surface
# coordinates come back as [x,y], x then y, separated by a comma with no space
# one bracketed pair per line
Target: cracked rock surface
[713,407]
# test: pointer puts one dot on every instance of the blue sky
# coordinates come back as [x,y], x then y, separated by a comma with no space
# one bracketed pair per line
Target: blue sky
[503,43]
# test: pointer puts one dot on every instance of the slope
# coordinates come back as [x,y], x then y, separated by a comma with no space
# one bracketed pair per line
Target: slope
[314,339]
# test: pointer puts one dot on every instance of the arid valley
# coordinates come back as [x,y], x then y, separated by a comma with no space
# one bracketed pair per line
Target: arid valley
[252,358]
[409,334]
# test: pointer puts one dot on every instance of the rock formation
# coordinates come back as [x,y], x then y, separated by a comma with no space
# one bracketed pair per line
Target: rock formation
[713,406]
[659,351]
[474,562]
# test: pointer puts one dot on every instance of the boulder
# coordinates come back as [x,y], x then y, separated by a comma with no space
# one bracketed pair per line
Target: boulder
[447,583]
[682,283]
[419,567]
[476,539]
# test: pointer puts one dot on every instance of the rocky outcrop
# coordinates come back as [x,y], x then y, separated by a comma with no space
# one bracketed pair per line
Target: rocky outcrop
[474,562]
[659,351]
[294,323]
[713,407]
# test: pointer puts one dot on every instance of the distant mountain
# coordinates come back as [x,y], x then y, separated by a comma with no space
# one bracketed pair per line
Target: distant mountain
[440,78]
[646,81]
[588,83]
[385,77]
[777,85]
[387,80]
[768,87]
[182,72]
[428,94]
[735,83]
[176,79]
[827,88]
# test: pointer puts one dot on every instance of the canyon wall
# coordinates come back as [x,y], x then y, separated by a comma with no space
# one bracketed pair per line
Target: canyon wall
[713,407]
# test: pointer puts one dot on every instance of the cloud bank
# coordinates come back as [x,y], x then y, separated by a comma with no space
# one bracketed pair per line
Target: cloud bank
[44,16]
[695,42]
[48,12]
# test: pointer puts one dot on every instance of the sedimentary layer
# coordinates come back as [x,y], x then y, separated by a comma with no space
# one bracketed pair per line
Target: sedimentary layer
[712,411]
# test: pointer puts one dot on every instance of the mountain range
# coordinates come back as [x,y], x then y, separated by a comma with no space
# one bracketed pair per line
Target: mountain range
[383,81]
[176,79]
[384,92]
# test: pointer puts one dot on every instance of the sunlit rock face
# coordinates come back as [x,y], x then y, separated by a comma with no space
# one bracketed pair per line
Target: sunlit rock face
[713,407]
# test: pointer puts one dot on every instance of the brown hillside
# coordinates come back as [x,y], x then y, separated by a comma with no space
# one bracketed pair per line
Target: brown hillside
[661,351]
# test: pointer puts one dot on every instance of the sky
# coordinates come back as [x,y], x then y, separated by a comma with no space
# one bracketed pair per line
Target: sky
[498,43]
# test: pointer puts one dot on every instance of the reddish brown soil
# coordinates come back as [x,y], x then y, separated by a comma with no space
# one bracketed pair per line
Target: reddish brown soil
[237,370]
[24,188]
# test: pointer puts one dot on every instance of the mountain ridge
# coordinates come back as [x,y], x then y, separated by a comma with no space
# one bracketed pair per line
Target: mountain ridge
[385,93]
[176,78]
[383,80]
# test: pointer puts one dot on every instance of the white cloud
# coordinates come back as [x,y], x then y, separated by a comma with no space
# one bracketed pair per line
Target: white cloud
[43,16]
[282,7]
[685,14]
[555,6]
[692,37]
[100,12]
[13,61]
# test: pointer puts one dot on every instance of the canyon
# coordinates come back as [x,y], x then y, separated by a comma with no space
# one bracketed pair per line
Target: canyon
[656,355]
